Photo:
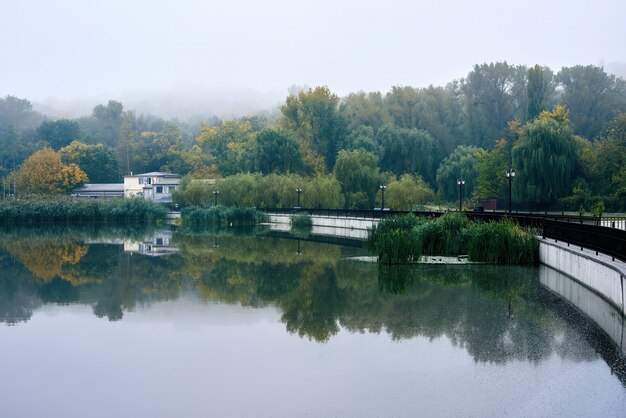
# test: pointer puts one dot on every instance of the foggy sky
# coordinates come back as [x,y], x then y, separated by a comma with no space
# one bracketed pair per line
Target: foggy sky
[132,49]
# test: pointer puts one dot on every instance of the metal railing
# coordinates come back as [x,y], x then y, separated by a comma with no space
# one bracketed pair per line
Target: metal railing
[599,234]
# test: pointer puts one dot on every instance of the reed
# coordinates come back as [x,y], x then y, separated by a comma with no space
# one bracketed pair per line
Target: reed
[405,239]
[66,209]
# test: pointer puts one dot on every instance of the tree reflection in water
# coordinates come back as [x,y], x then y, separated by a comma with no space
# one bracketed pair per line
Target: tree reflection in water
[497,314]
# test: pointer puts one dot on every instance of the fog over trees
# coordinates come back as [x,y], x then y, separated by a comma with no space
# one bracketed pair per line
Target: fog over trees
[564,132]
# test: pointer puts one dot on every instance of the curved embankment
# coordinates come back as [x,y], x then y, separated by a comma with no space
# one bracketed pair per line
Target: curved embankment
[596,271]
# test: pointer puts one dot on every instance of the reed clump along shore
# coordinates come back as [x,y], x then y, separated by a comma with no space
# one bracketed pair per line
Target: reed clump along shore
[405,239]
[60,209]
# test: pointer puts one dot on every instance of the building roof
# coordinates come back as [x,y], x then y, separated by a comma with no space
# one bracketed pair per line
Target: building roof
[100,187]
[155,174]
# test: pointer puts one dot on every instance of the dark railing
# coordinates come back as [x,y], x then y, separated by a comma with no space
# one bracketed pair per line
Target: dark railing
[584,231]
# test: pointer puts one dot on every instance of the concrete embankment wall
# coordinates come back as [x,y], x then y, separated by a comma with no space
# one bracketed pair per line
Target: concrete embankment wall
[328,225]
[598,272]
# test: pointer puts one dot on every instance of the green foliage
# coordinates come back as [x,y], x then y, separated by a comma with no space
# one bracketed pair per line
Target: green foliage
[58,133]
[493,95]
[539,88]
[301,221]
[277,151]
[444,235]
[407,192]
[461,164]
[357,172]
[395,240]
[404,239]
[97,161]
[66,209]
[315,117]
[501,242]
[592,97]
[406,151]
[545,159]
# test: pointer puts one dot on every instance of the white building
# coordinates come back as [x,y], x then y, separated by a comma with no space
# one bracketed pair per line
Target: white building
[156,186]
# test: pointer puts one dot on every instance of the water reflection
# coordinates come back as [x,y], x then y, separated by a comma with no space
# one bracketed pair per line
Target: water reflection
[497,314]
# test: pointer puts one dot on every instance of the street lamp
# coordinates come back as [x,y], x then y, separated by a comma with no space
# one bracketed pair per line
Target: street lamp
[298,190]
[215,193]
[461,184]
[510,173]
[382,189]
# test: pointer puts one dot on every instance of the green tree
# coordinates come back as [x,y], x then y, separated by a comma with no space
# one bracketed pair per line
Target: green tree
[58,133]
[227,144]
[365,109]
[357,172]
[539,89]
[406,151]
[491,182]
[277,150]
[315,117]
[362,137]
[460,164]
[97,161]
[407,192]
[592,97]
[493,95]
[545,159]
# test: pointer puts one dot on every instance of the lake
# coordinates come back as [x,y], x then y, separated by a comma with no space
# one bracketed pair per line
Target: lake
[142,322]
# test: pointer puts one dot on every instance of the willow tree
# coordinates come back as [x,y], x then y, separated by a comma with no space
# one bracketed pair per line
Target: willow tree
[545,159]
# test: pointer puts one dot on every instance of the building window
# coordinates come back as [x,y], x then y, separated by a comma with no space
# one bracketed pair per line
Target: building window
[145,180]
[172,188]
[159,189]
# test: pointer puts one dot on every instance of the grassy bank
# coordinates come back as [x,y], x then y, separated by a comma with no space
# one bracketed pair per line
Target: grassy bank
[68,209]
[219,216]
[405,239]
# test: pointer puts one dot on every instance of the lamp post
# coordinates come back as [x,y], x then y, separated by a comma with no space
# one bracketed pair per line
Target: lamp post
[215,193]
[382,203]
[298,190]
[510,173]
[460,183]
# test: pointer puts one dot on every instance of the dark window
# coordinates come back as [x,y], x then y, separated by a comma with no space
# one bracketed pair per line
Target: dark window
[159,189]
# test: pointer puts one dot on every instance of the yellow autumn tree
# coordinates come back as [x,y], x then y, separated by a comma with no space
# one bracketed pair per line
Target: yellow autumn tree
[44,173]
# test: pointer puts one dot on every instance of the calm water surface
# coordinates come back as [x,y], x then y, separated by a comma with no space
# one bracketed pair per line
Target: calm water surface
[142,323]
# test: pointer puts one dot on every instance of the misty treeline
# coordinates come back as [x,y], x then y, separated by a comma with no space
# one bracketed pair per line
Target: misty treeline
[564,134]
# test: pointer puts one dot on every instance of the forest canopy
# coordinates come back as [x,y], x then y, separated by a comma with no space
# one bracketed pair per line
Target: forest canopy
[563,132]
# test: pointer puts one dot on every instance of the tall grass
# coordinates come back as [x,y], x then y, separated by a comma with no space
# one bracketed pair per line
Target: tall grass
[219,216]
[502,242]
[395,239]
[67,209]
[404,239]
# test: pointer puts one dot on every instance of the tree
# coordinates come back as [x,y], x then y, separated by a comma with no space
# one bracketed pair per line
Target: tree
[227,144]
[277,150]
[365,109]
[315,117]
[357,172]
[44,173]
[408,191]
[491,182]
[406,151]
[493,95]
[608,159]
[362,137]
[592,97]
[97,161]
[539,89]
[460,164]
[545,159]
[18,114]
[58,133]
